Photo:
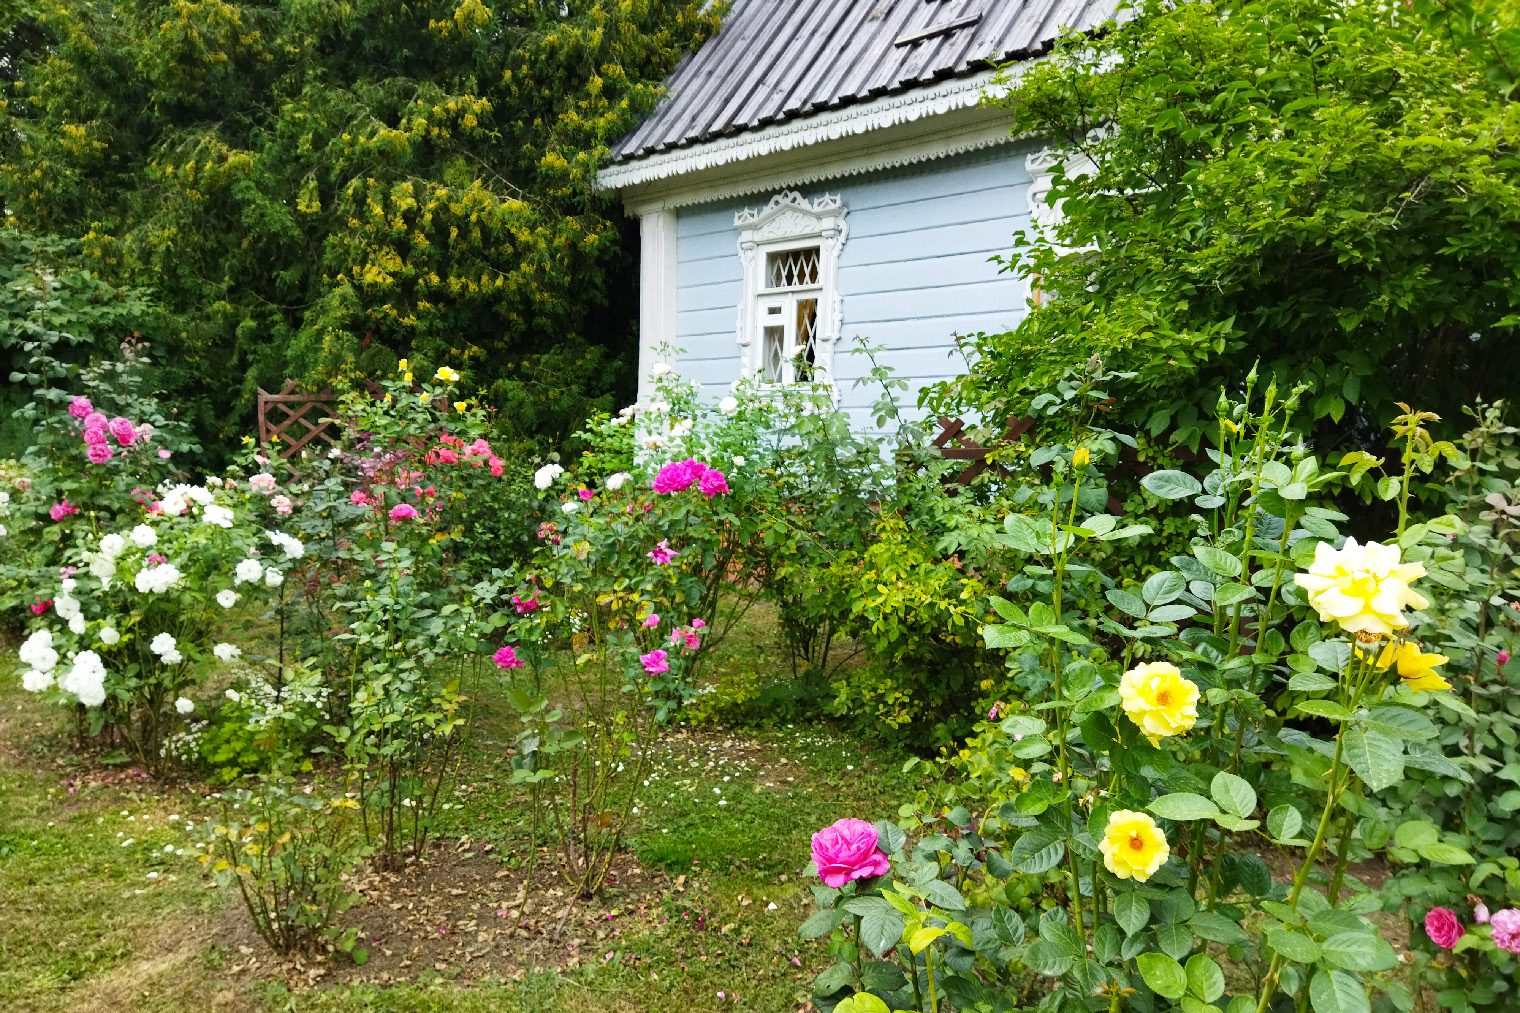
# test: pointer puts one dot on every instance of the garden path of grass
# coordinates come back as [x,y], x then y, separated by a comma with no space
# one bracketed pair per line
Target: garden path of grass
[98,913]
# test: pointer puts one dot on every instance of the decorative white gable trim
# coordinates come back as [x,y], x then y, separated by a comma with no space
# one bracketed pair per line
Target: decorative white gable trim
[1041,166]
[788,221]
[943,119]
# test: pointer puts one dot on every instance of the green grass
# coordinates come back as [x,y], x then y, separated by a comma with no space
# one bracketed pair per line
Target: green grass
[95,914]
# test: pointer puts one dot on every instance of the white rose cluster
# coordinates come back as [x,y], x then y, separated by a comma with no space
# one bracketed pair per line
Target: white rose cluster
[144,537]
[248,571]
[226,598]
[617,481]
[86,679]
[273,577]
[291,544]
[167,648]
[37,652]
[157,579]
[226,652]
[216,514]
[545,476]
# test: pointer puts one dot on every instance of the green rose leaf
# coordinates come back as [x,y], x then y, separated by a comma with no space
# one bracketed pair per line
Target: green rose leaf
[835,977]
[881,929]
[1045,957]
[1205,980]
[1163,974]
[1216,928]
[1233,794]
[1174,939]
[1414,833]
[1131,911]
[1328,709]
[1221,562]
[944,895]
[1233,594]
[1170,484]
[1129,603]
[1294,946]
[1184,805]
[1004,636]
[1444,854]
[1284,822]
[882,974]
[862,1002]
[1337,992]
[821,923]
[1311,682]
[1008,926]
[1359,951]
[1377,759]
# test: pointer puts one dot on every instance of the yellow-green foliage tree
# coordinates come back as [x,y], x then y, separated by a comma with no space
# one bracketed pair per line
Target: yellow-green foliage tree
[314,187]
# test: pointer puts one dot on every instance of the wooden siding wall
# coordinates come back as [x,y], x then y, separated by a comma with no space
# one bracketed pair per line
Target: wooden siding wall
[914,271]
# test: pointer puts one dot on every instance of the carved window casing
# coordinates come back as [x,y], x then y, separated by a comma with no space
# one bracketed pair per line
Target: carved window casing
[792,311]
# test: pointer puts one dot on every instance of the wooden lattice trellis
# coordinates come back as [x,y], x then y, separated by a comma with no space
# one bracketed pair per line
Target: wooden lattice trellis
[967,449]
[293,408]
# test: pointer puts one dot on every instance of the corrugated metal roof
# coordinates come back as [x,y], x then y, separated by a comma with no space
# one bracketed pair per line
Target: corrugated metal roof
[777,60]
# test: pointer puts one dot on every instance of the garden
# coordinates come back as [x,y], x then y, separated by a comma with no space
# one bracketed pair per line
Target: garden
[512,690]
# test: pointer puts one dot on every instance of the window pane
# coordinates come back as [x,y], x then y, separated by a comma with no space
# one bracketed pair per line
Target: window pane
[792,269]
[770,354]
[807,334]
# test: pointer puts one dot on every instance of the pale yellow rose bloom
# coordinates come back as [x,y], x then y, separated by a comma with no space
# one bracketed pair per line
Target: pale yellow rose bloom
[1133,846]
[1159,700]
[1415,667]
[1363,587]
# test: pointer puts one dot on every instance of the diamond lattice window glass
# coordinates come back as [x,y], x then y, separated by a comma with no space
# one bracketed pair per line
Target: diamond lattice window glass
[792,268]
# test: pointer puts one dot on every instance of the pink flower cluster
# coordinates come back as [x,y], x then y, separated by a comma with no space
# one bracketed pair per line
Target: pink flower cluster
[58,511]
[403,512]
[678,476]
[1445,929]
[524,606]
[687,636]
[452,450]
[96,431]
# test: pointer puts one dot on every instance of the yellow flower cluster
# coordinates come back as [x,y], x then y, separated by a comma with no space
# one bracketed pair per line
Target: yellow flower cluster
[1363,587]
[1159,700]
[1133,846]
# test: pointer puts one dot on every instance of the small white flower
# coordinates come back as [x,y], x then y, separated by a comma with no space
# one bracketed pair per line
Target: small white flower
[163,643]
[729,406]
[69,583]
[226,598]
[545,476]
[76,624]
[144,537]
[217,514]
[659,369]
[34,681]
[233,695]
[184,705]
[213,482]
[273,577]
[109,636]
[654,442]
[738,461]
[292,545]
[617,481]
[569,507]
[248,571]
[112,545]
[102,566]
[66,606]
[226,652]
[335,453]
[659,407]
[771,906]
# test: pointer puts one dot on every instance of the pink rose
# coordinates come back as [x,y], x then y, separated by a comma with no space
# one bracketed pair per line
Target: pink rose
[480,448]
[1480,913]
[654,662]
[165,454]
[95,437]
[281,504]
[507,658]
[99,453]
[524,607]
[40,606]
[692,640]
[1443,928]
[847,850]
[262,483]
[80,407]
[58,511]
[497,465]
[95,420]
[713,483]
[1502,657]
[699,624]
[587,495]
[403,512]
[662,554]
[123,430]
[447,456]
[651,621]
[358,497]
[1506,926]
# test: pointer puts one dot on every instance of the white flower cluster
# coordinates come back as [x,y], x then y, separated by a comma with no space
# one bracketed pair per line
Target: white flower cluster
[177,499]
[167,649]
[226,652]
[143,537]
[267,703]
[545,476]
[86,679]
[617,481]
[67,607]
[215,513]
[157,579]
[292,545]
[38,654]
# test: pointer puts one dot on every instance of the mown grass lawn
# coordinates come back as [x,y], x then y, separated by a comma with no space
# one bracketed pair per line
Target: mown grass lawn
[99,910]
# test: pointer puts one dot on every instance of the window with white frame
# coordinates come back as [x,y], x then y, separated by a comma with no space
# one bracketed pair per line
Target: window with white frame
[792,310]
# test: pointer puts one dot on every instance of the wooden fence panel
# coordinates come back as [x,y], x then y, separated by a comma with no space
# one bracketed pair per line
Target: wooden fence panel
[297,417]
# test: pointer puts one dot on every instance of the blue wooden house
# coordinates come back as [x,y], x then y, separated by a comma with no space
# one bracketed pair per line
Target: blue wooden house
[822,170]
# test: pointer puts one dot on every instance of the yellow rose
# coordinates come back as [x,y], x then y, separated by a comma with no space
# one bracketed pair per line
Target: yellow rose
[446,374]
[1080,458]
[460,406]
[1133,846]
[407,378]
[424,398]
[1363,587]
[1414,667]
[1159,700]
[403,365]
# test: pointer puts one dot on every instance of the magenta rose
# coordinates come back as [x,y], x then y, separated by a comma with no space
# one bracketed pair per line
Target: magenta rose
[847,850]
[1443,928]
[403,512]
[95,420]
[123,430]
[95,437]
[507,658]
[99,453]
[1506,927]
[674,477]
[655,662]
[713,483]
[80,407]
